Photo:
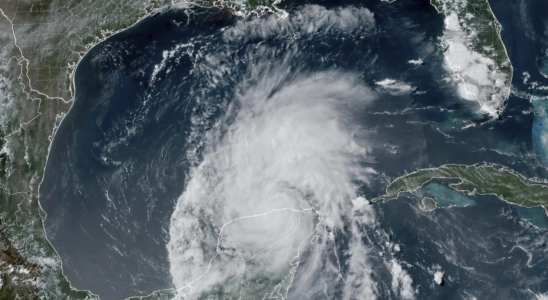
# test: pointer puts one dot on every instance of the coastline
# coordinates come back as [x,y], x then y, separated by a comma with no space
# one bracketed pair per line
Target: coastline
[388,196]
[109,34]
[52,138]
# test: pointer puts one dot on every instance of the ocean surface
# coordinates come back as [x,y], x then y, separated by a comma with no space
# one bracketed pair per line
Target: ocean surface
[151,99]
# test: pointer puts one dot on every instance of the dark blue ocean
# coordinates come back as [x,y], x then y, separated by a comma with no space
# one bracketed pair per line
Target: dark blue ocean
[147,97]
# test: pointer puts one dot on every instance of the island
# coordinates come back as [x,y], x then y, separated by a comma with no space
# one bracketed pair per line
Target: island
[43,42]
[484,179]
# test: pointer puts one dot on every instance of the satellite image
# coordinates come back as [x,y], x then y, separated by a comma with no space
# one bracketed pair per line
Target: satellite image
[286,149]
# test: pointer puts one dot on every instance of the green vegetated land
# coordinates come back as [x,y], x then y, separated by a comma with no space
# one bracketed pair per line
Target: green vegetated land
[41,43]
[482,27]
[485,179]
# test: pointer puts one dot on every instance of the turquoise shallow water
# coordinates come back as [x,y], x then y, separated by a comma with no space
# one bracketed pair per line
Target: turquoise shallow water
[542,63]
[536,215]
[540,130]
[145,96]
[446,197]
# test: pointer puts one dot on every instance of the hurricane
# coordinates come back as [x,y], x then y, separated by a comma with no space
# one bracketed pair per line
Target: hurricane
[318,150]
[280,173]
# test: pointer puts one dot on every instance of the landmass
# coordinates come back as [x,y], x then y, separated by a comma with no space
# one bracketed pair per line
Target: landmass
[42,42]
[475,54]
[484,179]
[428,204]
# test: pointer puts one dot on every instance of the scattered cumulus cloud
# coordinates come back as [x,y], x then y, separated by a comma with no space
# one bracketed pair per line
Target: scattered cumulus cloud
[394,87]
[416,62]
[402,283]
[309,20]
[477,76]
[438,277]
